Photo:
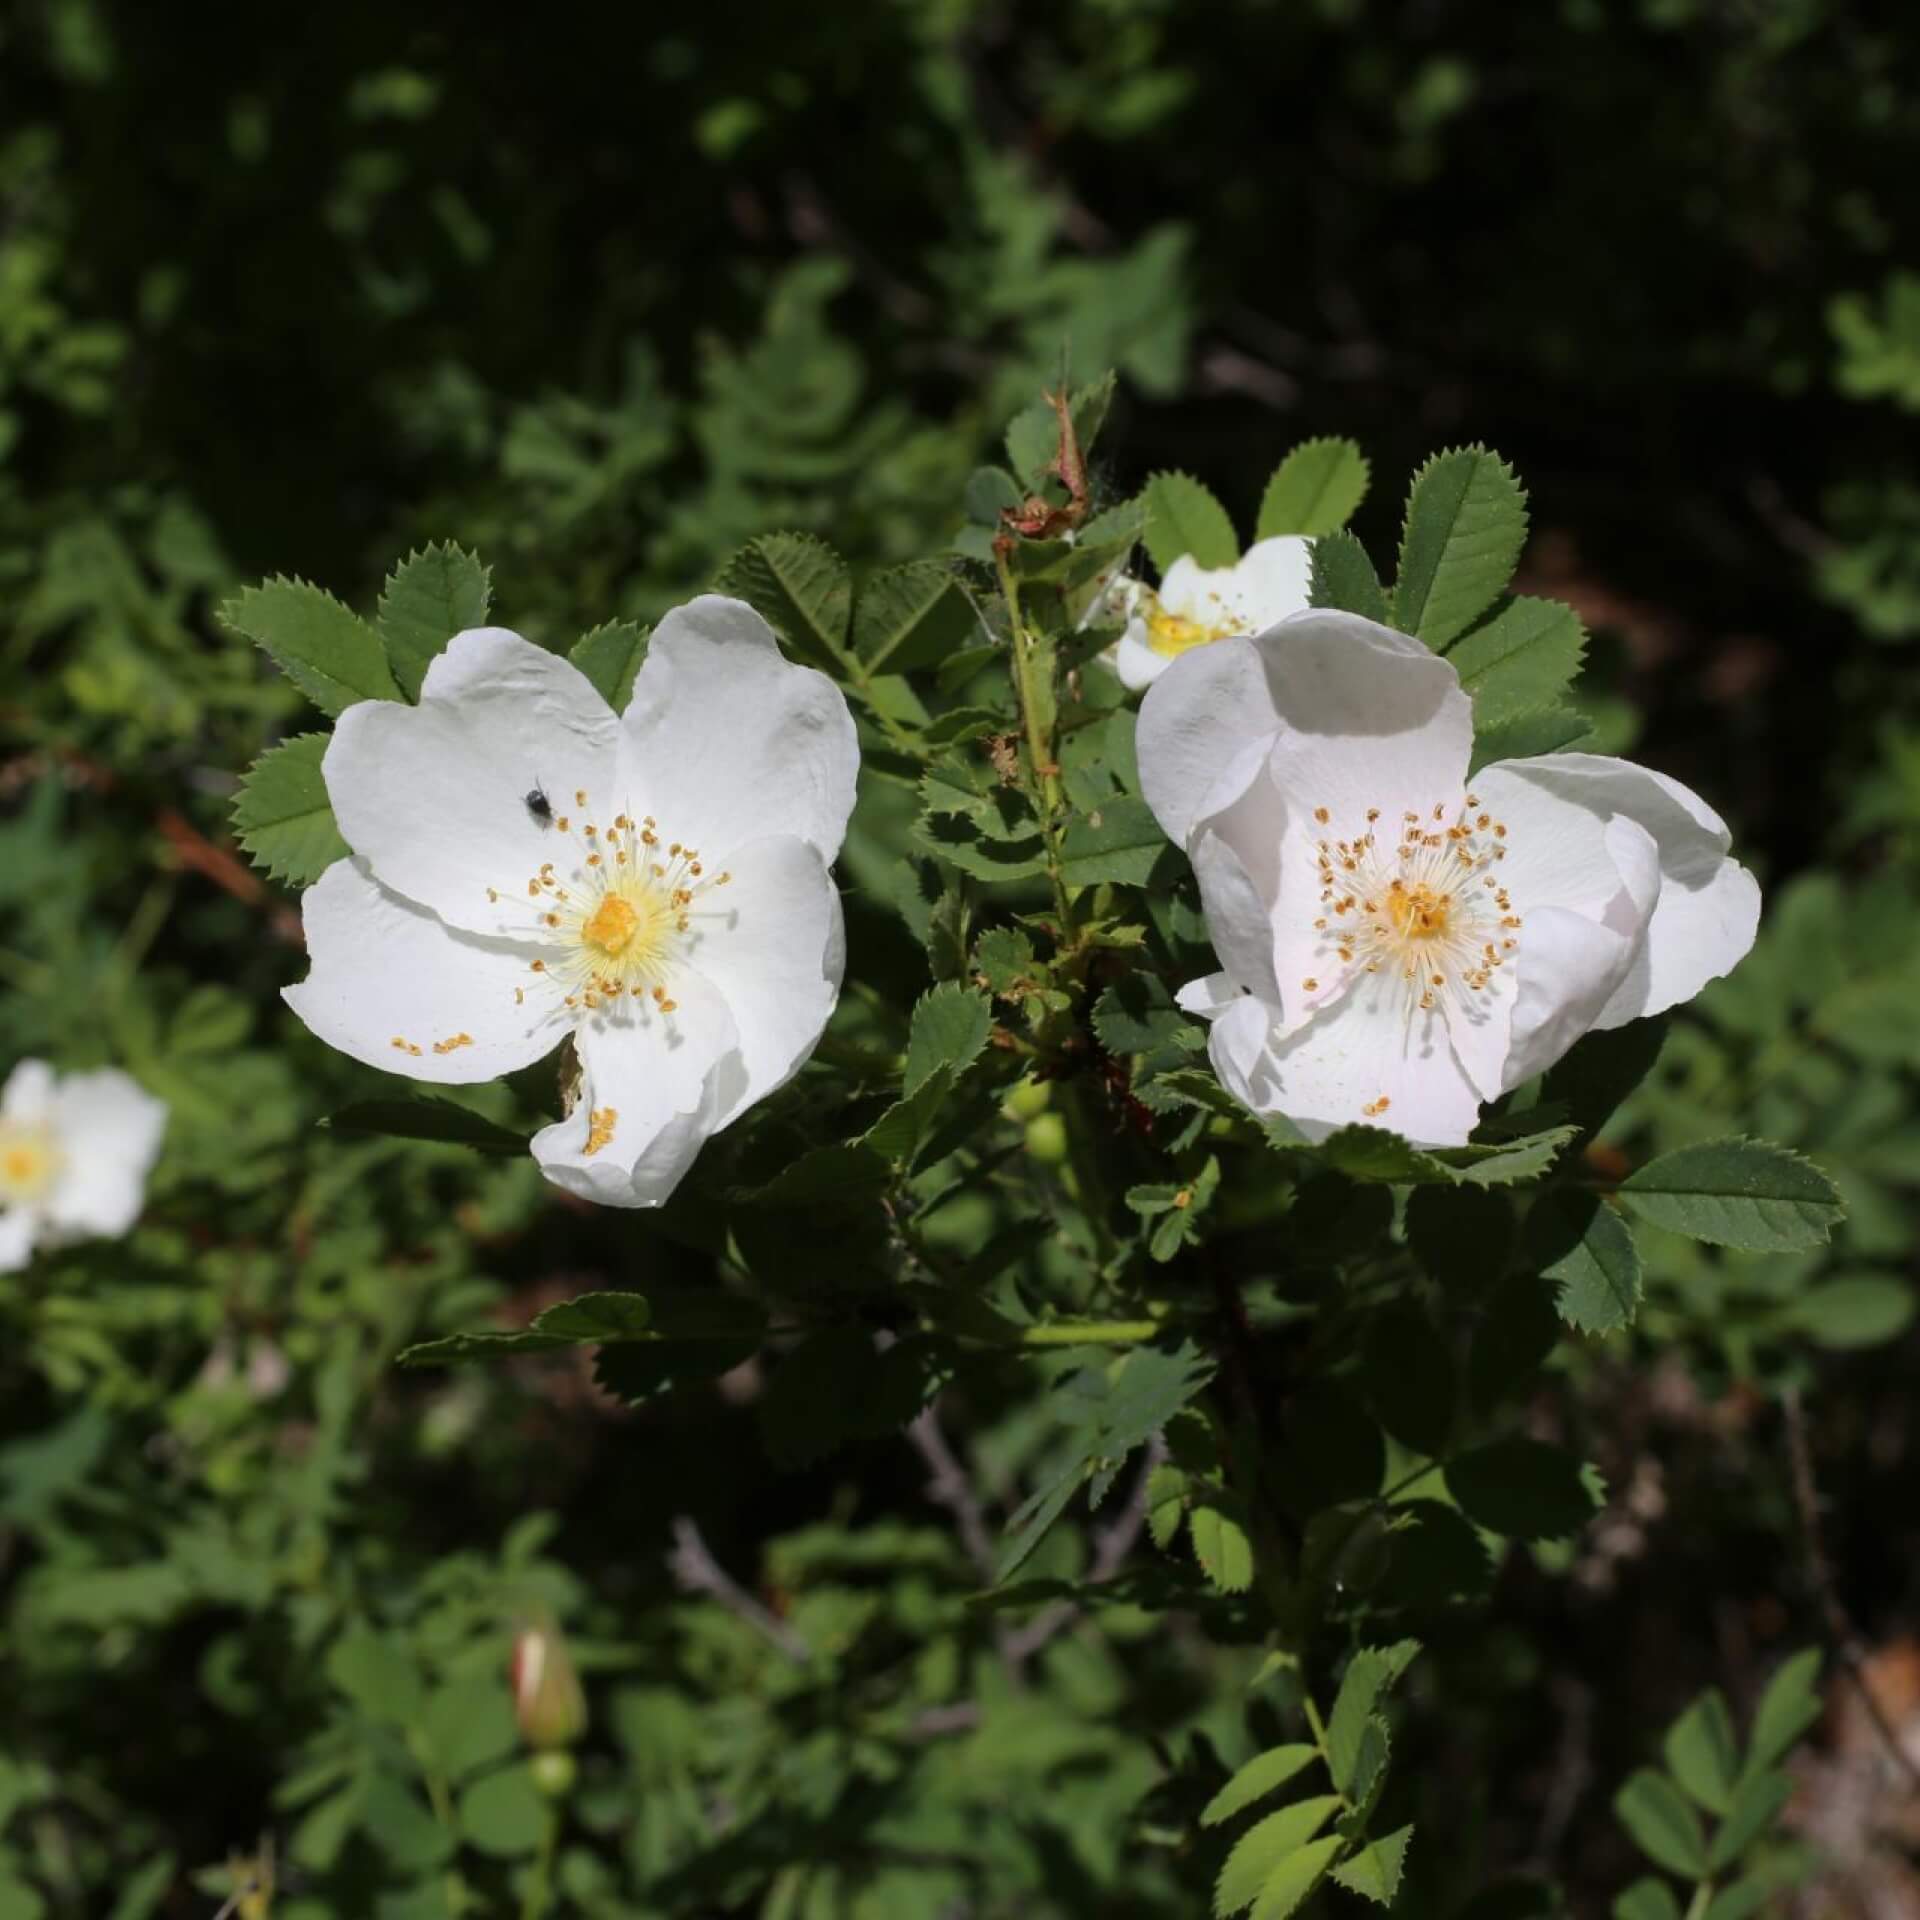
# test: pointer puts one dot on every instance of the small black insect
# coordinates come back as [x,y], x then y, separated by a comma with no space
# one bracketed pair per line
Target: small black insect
[540,806]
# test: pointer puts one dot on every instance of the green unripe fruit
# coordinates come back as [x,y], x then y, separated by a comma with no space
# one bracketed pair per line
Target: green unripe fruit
[1027,1099]
[1047,1138]
[554,1773]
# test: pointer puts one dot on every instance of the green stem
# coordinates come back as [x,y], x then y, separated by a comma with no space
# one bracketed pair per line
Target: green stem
[1036,709]
[1090,1333]
[1702,1899]
[442,1803]
[540,1886]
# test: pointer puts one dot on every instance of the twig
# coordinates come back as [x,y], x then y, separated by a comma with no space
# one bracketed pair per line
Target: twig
[1843,1637]
[950,1488]
[1572,1770]
[692,1564]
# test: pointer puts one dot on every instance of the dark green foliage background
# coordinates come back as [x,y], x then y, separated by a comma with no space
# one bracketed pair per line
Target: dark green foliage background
[603,295]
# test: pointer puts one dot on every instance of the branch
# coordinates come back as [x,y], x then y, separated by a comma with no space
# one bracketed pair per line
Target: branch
[1843,1636]
[696,1570]
[950,1488]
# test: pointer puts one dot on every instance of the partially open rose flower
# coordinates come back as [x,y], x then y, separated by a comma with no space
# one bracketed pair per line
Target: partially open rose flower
[75,1152]
[1197,605]
[528,867]
[1399,944]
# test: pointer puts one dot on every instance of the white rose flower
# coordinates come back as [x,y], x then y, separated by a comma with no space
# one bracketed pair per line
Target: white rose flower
[75,1152]
[1197,605]
[1398,944]
[528,866]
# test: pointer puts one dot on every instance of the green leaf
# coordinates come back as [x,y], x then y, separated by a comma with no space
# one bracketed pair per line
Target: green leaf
[330,654]
[1369,1674]
[1137,1015]
[1033,437]
[1372,1153]
[282,815]
[1859,1310]
[1408,1372]
[1703,1752]
[1166,1506]
[1755,1804]
[1375,1870]
[1295,1878]
[424,1117]
[1647,1899]
[377,1673]
[1119,844]
[503,1813]
[586,1320]
[611,656]
[1515,1335]
[1262,1850]
[1184,518]
[1466,523]
[801,588]
[1737,1193]
[1515,662]
[1314,490]
[949,1030]
[911,616]
[1743,1899]
[1220,1544]
[429,597]
[836,1386]
[1520,736]
[1602,1069]
[1522,1488]
[1342,576]
[1790,1705]
[1112,1412]
[1663,1826]
[1583,1246]
[990,492]
[1265,1773]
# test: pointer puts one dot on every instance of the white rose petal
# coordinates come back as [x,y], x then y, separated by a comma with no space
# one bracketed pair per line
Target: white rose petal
[1196,606]
[529,867]
[1398,945]
[75,1152]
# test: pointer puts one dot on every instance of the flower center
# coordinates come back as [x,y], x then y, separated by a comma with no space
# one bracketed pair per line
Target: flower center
[612,925]
[1426,909]
[617,911]
[29,1163]
[1172,634]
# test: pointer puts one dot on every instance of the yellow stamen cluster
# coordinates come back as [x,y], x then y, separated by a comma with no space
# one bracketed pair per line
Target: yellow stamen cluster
[617,918]
[1428,910]
[30,1162]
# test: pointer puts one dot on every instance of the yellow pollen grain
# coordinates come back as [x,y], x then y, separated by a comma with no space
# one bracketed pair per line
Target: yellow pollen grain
[453,1044]
[406,1046]
[561,823]
[1309,985]
[579,796]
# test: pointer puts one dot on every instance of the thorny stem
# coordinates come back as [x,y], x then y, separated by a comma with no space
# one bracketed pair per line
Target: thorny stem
[1043,771]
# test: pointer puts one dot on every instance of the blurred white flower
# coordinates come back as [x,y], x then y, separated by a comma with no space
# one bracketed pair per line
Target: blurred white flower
[528,867]
[75,1152]
[1398,944]
[1196,605]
